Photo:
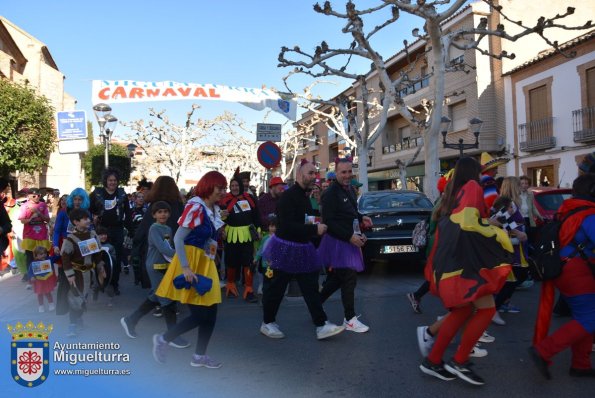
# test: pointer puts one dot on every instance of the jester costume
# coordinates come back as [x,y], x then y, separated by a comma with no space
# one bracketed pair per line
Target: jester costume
[469,258]
[240,235]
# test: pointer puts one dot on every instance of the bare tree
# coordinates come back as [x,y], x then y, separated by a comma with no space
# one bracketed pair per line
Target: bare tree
[327,61]
[171,146]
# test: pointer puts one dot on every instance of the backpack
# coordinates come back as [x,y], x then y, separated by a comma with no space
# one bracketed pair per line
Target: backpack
[547,263]
[419,237]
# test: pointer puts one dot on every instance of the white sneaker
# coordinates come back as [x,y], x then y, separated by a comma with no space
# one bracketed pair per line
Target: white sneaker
[478,352]
[486,338]
[328,330]
[355,325]
[51,307]
[41,308]
[497,319]
[271,330]
[424,341]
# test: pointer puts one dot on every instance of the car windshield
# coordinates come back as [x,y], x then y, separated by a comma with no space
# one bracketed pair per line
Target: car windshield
[552,201]
[394,200]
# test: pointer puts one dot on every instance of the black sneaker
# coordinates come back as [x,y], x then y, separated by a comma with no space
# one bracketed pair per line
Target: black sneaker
[436,370]
[464,372]
[574,372]
[541,363]
[128,328]
[157,312]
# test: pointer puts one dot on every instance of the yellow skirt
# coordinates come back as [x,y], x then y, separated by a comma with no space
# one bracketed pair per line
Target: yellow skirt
[31,244]
[199,264]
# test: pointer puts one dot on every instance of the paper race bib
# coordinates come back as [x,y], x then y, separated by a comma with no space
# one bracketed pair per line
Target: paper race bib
[89,246]
[110,204]
[211,249]
[243,205]
[41,267]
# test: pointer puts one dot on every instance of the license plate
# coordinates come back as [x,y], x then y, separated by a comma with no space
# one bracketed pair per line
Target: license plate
[399,249]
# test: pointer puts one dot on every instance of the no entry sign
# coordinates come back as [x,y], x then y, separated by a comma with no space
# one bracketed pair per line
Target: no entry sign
[269,155]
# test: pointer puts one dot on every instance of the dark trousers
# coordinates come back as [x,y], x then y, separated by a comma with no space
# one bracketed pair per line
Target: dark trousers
[273,295]
[116,238]
[346,280]
[200,316]
[422,290]
[507,290]
[169,313]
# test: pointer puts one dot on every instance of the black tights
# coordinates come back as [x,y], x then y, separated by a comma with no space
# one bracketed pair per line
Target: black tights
[200,316]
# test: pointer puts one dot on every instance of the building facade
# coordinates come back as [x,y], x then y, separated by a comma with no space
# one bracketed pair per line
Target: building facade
[551,113]
[24,59]
[480,89]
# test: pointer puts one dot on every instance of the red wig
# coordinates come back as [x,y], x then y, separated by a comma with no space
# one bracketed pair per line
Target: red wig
[206,185]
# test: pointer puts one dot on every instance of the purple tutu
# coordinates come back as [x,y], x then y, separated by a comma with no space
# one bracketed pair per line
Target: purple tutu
[291,257]
[337,253]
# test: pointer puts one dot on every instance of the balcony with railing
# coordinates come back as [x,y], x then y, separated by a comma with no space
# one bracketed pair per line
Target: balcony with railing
[406,143]
[583,124]
[537,135]
[413,88]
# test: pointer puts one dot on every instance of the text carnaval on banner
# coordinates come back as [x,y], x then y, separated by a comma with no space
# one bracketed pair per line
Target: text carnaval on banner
[124,91]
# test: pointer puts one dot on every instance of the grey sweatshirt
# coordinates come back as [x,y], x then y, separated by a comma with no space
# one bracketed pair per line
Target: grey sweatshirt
[159,245]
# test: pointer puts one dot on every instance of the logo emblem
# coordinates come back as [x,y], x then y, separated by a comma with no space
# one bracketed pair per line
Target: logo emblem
[283,105]
[30,353]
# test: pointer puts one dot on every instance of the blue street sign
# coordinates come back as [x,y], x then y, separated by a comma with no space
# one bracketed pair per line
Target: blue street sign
[71,125]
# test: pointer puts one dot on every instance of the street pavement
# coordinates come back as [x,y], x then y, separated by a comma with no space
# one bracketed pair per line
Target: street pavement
[381,363]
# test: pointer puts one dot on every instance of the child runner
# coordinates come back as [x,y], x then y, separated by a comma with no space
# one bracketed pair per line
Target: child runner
[262,265]
[42,276]
[159,255]
[81,252]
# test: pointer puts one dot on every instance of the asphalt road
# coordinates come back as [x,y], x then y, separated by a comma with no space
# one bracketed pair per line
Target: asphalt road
[381,363]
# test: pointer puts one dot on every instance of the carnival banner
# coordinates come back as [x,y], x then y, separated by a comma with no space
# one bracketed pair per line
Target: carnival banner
[122,91]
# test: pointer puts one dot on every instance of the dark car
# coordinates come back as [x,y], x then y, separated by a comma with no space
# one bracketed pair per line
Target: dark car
[549,200]
[394,215]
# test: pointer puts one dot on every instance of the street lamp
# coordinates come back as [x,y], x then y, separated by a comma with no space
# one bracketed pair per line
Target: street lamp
[107,124]
[475,124]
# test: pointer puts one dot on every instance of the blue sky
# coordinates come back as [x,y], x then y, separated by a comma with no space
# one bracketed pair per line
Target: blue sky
[232,43]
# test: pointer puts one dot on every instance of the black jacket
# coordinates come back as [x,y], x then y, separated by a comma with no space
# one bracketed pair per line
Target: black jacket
[339,209]
[292,209]
[6,228]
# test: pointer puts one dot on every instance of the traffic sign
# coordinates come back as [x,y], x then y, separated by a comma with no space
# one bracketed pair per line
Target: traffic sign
[71,125]
[268,132]
[269,155]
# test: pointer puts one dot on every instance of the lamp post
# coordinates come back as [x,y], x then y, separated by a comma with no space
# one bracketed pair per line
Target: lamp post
[107,124]
[475,125]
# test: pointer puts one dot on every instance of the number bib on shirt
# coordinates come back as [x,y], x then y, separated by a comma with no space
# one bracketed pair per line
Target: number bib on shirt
[110,204]
[88,246]
[242,205]
[41,267]
[211,249]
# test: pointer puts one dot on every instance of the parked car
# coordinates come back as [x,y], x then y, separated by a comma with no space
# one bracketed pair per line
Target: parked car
[394,215]
[548,200]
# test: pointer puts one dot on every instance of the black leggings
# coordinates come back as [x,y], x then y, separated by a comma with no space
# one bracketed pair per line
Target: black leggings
[200,316]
